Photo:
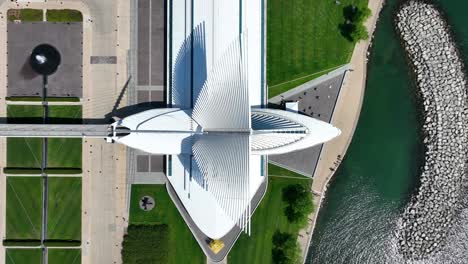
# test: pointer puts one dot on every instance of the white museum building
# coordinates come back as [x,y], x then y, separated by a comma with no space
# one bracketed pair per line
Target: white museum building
[217,132]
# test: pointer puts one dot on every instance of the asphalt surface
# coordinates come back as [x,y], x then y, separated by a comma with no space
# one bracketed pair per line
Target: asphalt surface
[317,101]
[66,37]
[151,42]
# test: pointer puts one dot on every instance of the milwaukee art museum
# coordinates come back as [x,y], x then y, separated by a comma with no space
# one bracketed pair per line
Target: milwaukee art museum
[218,133]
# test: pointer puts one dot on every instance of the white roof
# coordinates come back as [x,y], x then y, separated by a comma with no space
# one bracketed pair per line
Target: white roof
[215,174]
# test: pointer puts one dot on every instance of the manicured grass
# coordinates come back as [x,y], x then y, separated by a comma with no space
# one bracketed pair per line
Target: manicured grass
[64,15]
[24,207]
[64,152]
[274,170]
[23,256]
[25,15]
[64,256]
[64,114]
[24,114]
[64,208]
[303,38]
[182,246]
[268,218]
[24,152]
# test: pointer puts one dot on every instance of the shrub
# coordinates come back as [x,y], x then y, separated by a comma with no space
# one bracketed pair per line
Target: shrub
[9,170]
[21,242]
[285,249]
[145,244]
[353,28]
[299,203]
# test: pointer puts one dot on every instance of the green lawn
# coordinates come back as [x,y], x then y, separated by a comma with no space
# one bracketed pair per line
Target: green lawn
[268,218]
[303,38]
[23,256]
[24,114]
[182,246]
[64,152]
[274,170]
[64,256]
[64,208]
[26,15]
[64,114]
[24,152]
[24,208]
[64,15]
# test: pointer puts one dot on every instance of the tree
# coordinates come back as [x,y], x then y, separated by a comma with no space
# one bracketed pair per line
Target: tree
[359,33]
[353,28]
[299,203]
[285,249]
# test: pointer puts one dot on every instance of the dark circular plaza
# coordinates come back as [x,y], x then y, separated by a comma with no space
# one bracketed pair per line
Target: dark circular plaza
[45,59]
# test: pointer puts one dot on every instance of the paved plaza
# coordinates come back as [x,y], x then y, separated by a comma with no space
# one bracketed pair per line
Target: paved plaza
[67,38]
[316,99]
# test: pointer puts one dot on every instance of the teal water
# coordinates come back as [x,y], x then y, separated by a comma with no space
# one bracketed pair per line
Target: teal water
[381,169]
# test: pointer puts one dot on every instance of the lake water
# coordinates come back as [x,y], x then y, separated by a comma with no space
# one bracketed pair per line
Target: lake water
[380,171]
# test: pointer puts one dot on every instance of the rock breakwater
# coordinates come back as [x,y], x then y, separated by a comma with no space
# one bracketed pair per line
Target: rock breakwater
[440,77]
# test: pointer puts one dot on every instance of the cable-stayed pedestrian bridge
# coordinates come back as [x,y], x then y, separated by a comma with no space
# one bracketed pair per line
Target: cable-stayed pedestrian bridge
[54,130]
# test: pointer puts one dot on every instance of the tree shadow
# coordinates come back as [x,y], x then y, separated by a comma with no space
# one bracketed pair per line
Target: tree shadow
[346,29]
[27,71]
[350,13]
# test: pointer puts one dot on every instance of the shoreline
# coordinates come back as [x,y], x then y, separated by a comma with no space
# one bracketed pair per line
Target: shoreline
[345,116]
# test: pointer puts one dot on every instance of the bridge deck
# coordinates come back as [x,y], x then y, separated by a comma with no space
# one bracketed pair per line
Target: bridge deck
[53,130]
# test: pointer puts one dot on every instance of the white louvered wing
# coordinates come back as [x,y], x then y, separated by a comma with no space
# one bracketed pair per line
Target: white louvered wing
[223,161]
[223,102]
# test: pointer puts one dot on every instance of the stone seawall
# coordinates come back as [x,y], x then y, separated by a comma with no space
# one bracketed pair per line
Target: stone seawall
[440,78]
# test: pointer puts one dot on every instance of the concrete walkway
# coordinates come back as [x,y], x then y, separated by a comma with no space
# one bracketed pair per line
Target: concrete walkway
[306,86]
